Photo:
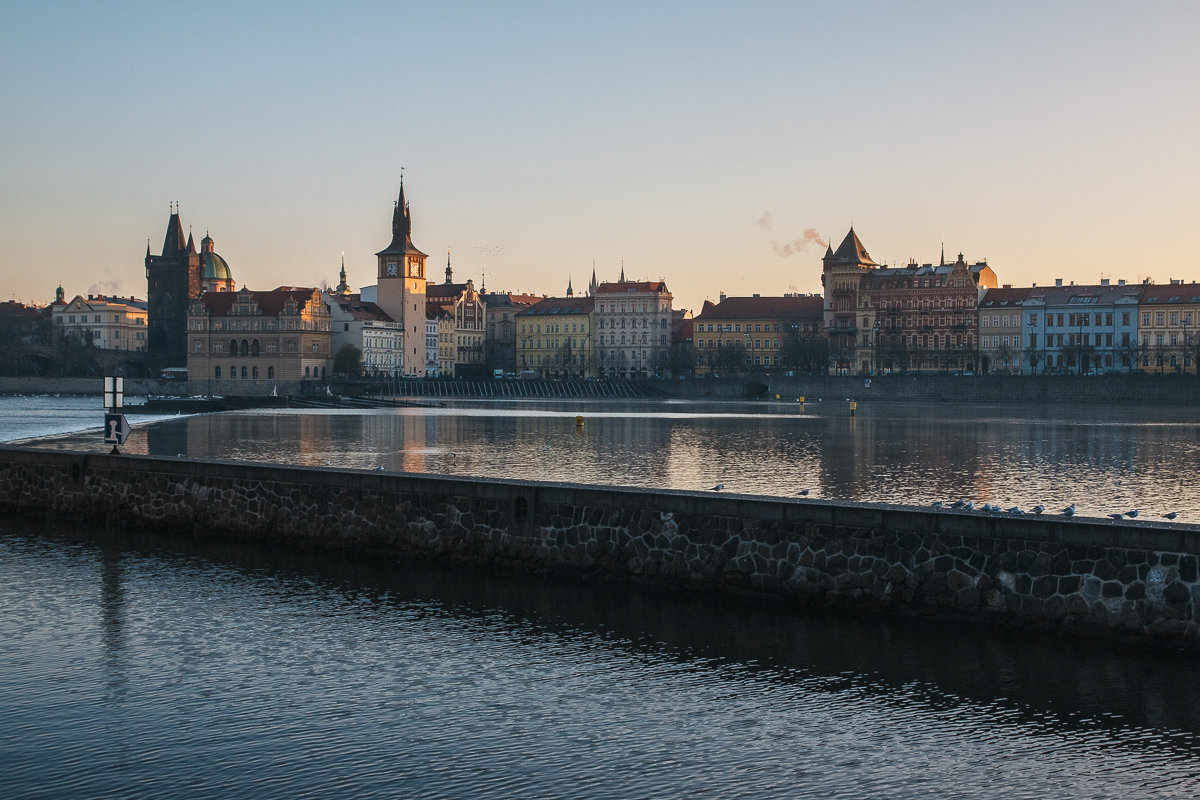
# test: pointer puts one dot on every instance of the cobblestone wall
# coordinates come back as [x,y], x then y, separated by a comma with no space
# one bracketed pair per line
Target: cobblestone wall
[1135,580]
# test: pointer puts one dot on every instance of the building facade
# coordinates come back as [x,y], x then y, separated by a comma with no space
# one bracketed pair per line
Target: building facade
[1169,327]
[365,326]
[254,343]
[633,328]
[1001,331]
[109,323]
[919,317]
[555,338]
[1081,329]
[761,334]
[469,314]
[500,337]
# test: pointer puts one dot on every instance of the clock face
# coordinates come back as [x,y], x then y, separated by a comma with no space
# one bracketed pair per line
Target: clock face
[391,269]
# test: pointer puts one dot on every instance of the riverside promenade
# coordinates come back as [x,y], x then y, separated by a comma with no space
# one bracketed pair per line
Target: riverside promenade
[1121,580]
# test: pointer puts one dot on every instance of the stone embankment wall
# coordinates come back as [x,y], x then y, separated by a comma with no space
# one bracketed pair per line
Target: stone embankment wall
[927,388]
[1132,580]
[88,386]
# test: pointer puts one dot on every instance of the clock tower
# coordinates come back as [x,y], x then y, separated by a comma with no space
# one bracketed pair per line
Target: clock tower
[401,292]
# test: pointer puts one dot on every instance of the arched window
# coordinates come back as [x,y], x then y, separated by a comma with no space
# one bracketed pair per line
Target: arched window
[233,347]
[254,348]
[217,373]
[243,373]
[270,373]
[245,352]
[254,373]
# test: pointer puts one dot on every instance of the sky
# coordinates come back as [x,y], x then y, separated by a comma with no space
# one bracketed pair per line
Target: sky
[711,145]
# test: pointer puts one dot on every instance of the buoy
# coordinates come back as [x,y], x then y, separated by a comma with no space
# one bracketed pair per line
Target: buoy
[853,407]
[801,398]
[579,422]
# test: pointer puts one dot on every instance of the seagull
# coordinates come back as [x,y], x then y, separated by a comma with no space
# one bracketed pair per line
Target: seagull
[1039,508]
[1170,515]
[380,467]
[327,462]
[969,505]
[1069,510]
[936,504]
[717,488]
[959,504]
[1117,516]
[1015,510]
[802,492]
[1133,513]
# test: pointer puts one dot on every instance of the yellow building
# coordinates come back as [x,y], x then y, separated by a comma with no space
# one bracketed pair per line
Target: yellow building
[1169,327]
[760,334]
[554,338]
[244,342]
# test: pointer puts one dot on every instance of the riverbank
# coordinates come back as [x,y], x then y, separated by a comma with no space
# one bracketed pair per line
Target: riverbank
[1121,580]
[1132,389]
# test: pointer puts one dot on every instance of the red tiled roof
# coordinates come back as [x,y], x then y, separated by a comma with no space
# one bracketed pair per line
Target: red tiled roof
[803,307]
[631,286]
[272,303]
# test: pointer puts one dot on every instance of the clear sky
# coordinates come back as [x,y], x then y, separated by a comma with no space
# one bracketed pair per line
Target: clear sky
[697,142]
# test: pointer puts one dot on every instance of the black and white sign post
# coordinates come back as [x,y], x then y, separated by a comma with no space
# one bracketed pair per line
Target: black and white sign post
[116,427]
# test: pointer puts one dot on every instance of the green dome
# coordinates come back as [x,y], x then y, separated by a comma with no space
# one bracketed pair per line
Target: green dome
[215,268]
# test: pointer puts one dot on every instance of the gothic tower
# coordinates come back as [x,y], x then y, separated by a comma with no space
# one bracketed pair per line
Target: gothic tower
[173,281]
[402,285]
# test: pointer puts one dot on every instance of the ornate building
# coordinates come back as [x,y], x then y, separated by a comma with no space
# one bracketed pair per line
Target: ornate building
[244,342]
[467,309]
[173,280]
[401,287]
[633,328]
[887,319]
[215,275]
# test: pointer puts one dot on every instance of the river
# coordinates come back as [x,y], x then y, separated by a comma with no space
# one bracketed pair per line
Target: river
[1103,460]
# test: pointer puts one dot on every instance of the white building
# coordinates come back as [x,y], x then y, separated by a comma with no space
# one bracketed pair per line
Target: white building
[111,323]
[633,328]
[364,325]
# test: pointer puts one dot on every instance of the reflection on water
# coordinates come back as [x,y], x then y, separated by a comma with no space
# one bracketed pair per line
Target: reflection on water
[1103,460]
[133,667]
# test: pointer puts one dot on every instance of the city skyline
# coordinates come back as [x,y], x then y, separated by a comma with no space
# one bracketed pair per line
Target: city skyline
[706,147]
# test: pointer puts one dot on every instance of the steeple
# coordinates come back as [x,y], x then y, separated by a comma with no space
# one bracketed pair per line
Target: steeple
[851,251]
[343,287]
[622,270]
[401,228]
[174,244]
[191,244]
[594,285]
[449,272]
[942,263]
[570,291]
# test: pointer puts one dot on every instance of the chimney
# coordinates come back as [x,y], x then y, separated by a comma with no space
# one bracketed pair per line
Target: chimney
[722,295]
[1104,281]
[1058,281]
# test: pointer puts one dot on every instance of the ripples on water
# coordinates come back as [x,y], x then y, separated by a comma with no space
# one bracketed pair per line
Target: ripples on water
[1102,459]
[134,668]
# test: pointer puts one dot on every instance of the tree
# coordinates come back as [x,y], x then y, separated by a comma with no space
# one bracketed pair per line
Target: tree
[348,361]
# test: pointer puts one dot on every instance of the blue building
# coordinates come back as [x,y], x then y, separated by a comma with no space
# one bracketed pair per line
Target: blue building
[1080,329]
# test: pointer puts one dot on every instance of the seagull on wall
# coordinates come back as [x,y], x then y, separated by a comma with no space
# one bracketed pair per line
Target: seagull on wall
[1170,515]
[1117,517]
[1039,508]
[1133,513]
[802,492]
[1069,511]
[717,488]
[936,504]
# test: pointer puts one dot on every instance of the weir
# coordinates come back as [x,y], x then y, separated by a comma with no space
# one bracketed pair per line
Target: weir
[1126,580]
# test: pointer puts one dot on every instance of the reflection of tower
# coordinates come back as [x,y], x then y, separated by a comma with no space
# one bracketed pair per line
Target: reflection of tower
[112,612]
[173,280]
[401,292]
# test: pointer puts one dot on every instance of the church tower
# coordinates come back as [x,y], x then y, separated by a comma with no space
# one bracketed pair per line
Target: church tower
[849,315]
[173,281]
[402,283]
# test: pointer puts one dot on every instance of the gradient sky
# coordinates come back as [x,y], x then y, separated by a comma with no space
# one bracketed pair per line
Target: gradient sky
[694,141]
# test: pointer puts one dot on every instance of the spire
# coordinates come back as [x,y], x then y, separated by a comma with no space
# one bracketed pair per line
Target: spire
[570,291]
[401,228]
[622,269]
[342,287]
[594,285]
[942,263]
[449,272]
[174,244]
[191,244]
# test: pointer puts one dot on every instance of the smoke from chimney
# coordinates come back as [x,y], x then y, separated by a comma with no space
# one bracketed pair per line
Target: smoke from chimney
[799,244]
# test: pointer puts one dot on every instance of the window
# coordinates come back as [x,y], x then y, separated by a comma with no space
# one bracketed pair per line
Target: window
[217,373]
